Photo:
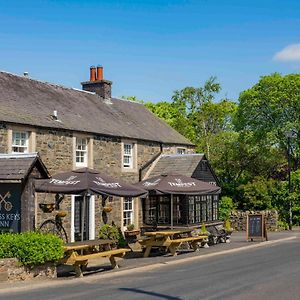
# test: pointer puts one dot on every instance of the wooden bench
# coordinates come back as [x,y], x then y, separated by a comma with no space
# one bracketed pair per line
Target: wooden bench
[192,240]
[170,244]
[79,261]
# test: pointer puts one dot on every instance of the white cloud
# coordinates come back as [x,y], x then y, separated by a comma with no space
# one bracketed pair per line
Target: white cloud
[289,53]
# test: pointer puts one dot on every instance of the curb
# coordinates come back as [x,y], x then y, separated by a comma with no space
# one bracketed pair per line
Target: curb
[137,269]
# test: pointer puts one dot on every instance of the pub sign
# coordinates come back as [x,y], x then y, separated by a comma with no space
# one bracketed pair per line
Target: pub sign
[10,207]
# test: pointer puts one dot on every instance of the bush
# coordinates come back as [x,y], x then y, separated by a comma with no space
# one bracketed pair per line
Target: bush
[225,208]
[112,232]
[31,248]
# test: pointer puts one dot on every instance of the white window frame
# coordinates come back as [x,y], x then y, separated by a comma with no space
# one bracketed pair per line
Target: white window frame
[83,152]
[128,211]
[19,145]
[181,151]
[129,155]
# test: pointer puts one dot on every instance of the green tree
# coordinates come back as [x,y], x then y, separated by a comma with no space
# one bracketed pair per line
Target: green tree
[268,110]
[206,117]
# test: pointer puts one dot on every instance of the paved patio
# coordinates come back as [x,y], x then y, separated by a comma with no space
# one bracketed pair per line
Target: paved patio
[136,259]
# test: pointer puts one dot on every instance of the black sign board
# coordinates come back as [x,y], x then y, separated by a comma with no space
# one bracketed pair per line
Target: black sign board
[256,228]
[10,207]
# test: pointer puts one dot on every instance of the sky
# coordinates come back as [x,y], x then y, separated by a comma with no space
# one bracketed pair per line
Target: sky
[151,48]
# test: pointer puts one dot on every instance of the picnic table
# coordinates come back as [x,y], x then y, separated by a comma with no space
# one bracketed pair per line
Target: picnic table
[170,240]
[78,254]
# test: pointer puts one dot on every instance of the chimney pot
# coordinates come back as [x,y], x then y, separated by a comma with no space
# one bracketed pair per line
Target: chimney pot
[97,84]
[99,72]
[26,74]
[92,73]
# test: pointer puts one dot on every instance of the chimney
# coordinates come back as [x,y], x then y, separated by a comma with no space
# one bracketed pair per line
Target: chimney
[99,72]
[92,73]
[97,84]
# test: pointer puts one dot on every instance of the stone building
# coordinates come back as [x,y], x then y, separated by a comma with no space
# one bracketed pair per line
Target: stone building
[71,128]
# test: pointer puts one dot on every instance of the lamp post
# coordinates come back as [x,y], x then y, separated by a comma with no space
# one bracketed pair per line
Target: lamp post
[290,134]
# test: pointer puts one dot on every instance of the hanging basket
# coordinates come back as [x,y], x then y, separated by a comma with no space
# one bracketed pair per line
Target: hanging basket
[47,207]
[107,209]
[61,214]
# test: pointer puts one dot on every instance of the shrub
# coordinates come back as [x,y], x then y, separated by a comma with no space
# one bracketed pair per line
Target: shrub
[226,206]
[203,229]
[112,232]
[31,248]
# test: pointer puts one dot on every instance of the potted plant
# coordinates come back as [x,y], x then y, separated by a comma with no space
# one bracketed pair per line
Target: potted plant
[130,231]
[112,232]
[228,227]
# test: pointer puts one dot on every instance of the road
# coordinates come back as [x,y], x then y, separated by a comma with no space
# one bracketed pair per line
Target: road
[270,272]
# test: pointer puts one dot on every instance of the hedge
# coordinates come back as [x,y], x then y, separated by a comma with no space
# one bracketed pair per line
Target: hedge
[31,248]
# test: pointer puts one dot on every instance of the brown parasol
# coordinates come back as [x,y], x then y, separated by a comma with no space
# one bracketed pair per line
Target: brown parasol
[177,184]
[87,181]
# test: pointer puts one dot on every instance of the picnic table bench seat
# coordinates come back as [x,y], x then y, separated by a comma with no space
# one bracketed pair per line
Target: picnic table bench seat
[79,261]
[192,240]
[170,244]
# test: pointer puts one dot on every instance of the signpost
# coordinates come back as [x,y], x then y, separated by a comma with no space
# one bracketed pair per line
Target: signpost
[256,228]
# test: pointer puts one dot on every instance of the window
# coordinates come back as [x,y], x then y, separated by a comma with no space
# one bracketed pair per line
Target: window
[203,209]
[20,142]
[215,207]
[164,210]
[128,156]
[127,211]
[81,152]
[150,210]
[181,150]
[191,210]
[209,208]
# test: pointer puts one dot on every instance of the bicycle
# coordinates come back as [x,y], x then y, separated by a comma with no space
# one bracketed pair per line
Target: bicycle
[54,226]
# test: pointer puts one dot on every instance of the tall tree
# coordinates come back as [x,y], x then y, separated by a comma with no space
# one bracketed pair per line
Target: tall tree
[270,109]
[206,117]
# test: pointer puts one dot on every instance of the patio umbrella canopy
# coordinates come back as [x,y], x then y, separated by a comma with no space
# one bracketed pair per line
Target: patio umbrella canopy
[177,184]
[87,181]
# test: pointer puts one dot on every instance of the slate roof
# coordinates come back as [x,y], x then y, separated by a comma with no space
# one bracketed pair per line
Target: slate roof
[191,165]
[184,164]
[31,102]
[18,166]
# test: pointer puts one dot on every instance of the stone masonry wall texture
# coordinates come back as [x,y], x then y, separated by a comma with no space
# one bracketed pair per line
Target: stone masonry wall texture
[238,219]
[55,148]
[11,268]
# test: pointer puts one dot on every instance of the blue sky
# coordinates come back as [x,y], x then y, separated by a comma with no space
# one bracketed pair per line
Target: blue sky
[151,48]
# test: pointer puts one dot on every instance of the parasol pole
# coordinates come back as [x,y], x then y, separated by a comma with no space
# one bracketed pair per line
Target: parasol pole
[83,215]
[171,211]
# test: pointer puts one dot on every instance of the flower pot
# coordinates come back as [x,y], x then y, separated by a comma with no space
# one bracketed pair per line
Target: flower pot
[131,232]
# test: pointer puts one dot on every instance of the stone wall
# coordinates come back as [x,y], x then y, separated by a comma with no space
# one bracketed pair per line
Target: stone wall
[238,219]
[10,269]
[172,149]
[3,138]
[56,149]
